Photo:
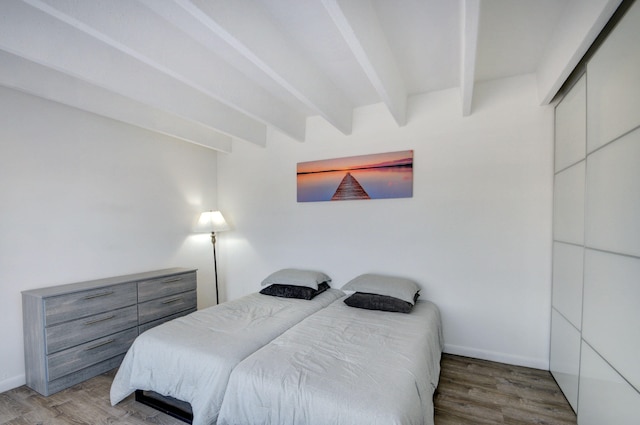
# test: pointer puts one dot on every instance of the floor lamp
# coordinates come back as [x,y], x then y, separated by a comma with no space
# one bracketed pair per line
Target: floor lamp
[214,221]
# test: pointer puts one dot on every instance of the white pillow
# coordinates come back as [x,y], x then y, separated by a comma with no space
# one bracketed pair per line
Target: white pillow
[296,277]
[391,286]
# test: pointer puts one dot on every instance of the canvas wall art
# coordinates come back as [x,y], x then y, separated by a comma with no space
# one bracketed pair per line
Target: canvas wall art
[375,176]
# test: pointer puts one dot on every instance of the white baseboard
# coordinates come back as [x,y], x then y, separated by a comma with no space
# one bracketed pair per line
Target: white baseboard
[536,363]
[11,383]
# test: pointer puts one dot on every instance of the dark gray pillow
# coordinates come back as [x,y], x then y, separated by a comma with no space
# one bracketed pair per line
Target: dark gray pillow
[293,291]
[379,302]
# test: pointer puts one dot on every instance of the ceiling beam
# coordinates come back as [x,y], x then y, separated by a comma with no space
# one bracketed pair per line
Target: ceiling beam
[114,70]
[250,35]
[151,38]
[29,77]
[469,49]
[582,21]
[359,26]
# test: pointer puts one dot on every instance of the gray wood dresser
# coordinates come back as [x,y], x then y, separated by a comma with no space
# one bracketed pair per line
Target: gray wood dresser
[76,331]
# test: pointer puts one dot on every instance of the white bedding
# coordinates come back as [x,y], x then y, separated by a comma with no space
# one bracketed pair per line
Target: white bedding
[340,366]
[190,358]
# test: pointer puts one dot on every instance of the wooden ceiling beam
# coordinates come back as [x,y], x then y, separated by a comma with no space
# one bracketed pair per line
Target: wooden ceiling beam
[358,24]
[29,77]
[259,46]
[114,67]
[145,36]
[469,49]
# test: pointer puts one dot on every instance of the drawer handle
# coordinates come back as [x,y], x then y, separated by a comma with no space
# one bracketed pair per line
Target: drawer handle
[100,344]
[176,279]
[104,319]
[172,300]
[101,294]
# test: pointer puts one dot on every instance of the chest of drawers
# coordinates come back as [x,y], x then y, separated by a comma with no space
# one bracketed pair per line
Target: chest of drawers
[76,331]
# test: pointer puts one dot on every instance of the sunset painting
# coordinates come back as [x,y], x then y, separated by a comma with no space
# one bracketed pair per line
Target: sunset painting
[376,176]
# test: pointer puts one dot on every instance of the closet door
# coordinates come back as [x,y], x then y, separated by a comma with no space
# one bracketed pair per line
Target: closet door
[568,235]
[609,390]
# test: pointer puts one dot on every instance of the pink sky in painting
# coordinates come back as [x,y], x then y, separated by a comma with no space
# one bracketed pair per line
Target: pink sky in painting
[357,162]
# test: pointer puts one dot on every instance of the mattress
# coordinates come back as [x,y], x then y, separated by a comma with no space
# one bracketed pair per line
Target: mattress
[342,366]
[190,358]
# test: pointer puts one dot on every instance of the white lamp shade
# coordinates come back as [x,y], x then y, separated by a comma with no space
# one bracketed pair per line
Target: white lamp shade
[212,221]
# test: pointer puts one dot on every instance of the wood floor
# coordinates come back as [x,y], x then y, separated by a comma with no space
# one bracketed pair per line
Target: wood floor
[479,392]
[471,392]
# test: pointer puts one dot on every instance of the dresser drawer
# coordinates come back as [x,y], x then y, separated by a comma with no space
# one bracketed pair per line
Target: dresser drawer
[75,305]
[79,357]
[156,309]
[83,374]
[165,286]
[146,326]
[68,334]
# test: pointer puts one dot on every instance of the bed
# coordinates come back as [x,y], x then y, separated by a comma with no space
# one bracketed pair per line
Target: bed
[343,365]
[190,358]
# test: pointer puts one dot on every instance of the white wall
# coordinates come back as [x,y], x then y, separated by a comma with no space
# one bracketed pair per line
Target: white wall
[475,235]
[85,197]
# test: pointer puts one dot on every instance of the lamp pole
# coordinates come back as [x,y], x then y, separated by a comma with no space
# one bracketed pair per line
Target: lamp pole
[215,264]
[214,221]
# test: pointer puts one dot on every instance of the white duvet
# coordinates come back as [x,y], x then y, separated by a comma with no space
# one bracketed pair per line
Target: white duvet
[342,366]
[190,358]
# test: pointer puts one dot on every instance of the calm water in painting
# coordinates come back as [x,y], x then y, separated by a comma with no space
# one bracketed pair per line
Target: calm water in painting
[388,182]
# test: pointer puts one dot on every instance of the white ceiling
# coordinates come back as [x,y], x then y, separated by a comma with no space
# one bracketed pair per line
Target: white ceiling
[209,71]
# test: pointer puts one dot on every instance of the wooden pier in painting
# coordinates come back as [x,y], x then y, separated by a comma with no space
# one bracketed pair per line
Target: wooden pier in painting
[349,188]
